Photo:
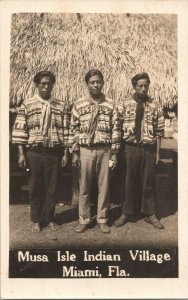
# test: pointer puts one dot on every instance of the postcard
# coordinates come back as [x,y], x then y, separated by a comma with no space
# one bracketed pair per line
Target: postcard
[93,149]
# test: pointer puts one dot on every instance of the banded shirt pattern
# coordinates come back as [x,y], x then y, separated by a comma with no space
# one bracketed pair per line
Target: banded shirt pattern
[152,124]
[27,131]
[80,120]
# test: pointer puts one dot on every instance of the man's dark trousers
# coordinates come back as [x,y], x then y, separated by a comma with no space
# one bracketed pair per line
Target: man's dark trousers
[43,183]
[140,179]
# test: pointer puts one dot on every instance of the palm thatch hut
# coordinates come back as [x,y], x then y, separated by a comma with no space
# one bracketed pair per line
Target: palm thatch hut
[120,45]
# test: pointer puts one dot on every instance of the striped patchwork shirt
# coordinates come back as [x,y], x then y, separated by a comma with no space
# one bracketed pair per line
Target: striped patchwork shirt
[26,130]
[80,120]
[152,124]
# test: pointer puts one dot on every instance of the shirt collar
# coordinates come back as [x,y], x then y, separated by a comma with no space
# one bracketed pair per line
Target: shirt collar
[42,100]
[138,100]
[99,101]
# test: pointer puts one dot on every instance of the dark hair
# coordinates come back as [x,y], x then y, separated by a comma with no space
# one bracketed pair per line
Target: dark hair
[138,77]
[41,74]
[93,72]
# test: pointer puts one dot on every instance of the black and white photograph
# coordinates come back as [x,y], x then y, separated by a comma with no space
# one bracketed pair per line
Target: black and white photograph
[93,133]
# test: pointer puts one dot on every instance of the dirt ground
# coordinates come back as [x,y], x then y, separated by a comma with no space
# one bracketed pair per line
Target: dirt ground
[134,233]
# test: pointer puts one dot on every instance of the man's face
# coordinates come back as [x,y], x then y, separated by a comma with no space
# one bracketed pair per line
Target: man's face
[95,85]
[141,88]
[45,87]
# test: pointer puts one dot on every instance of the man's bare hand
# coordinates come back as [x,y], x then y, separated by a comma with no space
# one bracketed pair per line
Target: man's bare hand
[64,160]
[114,160]
[22,161]
[76,160]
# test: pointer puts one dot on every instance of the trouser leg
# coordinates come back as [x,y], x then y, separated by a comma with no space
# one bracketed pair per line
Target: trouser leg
[51,172]
[102,170]
[132,157]
[88,162]
[36,196]
[148,169]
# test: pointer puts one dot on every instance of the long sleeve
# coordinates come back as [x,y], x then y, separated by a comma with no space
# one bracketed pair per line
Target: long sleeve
[158,122]
[66,126]
[117,123]
[74,130]
[20,132]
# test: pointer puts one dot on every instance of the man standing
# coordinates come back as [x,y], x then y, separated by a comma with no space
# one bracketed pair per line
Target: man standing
[42,126]
[142,124]
[91,130]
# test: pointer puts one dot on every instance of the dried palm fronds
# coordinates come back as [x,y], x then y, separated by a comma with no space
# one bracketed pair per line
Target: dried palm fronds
[120,45]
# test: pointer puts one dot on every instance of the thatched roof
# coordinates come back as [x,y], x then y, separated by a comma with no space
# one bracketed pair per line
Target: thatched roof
[120,45]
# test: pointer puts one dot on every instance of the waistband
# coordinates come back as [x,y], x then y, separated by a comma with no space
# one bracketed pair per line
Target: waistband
[93,146]
[46,149]
[141,145]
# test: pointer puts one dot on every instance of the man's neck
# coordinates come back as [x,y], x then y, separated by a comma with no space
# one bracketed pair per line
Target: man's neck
[140,99]
[97,98]
[45,99]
